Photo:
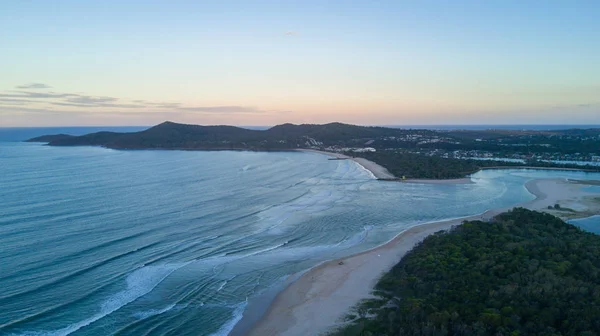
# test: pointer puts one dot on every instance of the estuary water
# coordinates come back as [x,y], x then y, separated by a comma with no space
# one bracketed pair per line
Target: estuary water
[591,224]
[104,242]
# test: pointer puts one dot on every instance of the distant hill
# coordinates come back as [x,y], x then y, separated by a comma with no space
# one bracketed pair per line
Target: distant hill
[170,135]
[413,153]
[50,138]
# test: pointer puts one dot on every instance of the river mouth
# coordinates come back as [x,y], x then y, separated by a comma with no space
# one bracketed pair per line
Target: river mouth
[107,241]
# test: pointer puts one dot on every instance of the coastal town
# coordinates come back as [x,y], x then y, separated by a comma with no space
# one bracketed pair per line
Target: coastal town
[513,147]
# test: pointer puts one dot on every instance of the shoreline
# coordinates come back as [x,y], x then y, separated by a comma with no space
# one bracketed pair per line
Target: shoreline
[330,290]
[379,172]
[586,170]
[463,180]
[382,174]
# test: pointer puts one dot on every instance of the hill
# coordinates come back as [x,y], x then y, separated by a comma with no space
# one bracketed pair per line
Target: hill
[409,153]
[524,273]
[50,138]
[170,135]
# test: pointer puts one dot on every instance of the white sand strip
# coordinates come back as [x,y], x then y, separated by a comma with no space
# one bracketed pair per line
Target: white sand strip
[320,298]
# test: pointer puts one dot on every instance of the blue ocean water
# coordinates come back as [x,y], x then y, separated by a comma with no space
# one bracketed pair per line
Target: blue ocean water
[102,242]
[25,133]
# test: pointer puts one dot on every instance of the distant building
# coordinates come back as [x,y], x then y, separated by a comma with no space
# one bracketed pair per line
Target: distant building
[362,150]
[596,158]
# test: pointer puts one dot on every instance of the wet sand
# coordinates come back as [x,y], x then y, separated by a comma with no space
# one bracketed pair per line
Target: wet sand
[379,172]
[464,180]
[319,299]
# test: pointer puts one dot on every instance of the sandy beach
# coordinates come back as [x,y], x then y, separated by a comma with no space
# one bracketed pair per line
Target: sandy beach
[378,171]
[463,180]
[381,173]
[320,298]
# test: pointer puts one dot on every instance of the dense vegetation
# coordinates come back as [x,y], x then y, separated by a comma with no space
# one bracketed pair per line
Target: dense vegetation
[567,141]
[524,273]
[169,135]
[393,145]
[174,135]
[412,165]
[50,138]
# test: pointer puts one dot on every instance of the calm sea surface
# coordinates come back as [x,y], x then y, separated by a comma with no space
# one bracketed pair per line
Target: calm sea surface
[96,241]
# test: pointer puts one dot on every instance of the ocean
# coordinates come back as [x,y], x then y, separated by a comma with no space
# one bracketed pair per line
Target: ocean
[113,242]
[12,134]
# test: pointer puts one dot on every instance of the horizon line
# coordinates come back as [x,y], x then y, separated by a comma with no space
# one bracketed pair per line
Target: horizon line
[366,125]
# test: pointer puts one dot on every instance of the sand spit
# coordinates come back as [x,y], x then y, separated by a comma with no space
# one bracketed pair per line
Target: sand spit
[319,299]
[378,171]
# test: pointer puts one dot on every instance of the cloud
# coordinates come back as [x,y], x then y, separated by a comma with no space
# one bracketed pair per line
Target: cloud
[68,99]
[93,105]
[221,109]
[12,101]
[163,105]
[41,110]
[89,100]
[34,86]
[36,95]
[291,33]
[49,103]
[576,106]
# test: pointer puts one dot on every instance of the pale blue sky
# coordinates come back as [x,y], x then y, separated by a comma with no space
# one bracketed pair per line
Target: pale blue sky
[268,62]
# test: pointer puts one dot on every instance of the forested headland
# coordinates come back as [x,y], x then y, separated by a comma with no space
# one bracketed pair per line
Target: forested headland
[523,273]
[404,152]
[410,165]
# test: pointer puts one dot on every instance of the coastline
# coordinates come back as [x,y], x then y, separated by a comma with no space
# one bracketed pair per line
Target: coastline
[464,180]
[325,293]
[540,168]
[379,172]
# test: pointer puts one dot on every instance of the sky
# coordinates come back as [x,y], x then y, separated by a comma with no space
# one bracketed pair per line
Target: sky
[80,63]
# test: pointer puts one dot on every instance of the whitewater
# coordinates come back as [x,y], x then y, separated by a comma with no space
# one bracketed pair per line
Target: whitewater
[105,242]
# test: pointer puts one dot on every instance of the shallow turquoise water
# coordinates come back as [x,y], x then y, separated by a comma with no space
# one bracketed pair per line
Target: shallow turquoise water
[591,224]
[100,242]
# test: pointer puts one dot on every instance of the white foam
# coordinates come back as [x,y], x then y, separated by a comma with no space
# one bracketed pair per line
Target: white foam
[139,283]
[225,283]
[365,170]
[356,238]
[237,314]
[315,201]
[145,314]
